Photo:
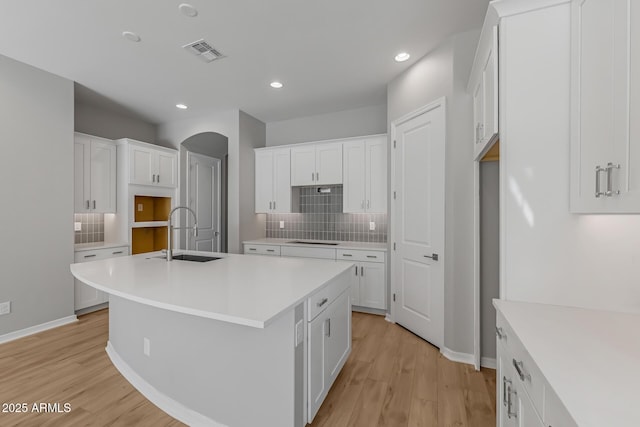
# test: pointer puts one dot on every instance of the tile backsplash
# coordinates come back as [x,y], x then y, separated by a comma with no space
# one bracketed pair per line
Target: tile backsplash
[321,218]
[92,227]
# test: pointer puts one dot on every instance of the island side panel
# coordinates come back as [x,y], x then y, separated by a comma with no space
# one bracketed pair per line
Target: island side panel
[235,375]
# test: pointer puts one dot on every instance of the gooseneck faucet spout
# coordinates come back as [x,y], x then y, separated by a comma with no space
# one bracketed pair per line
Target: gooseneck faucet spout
[171,228]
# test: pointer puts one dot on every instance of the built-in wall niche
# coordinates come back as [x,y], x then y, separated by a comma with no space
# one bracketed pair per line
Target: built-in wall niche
[150,208]
[148,239]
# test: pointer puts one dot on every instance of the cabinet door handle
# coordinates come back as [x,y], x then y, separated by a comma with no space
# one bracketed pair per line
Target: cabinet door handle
[368,204]
[500,333]
[317,176]
[323,302]
[274,205]
[94,204]
[270,205]
[116,253]
[87,204]
[432,256]
[505,382]
[509,402]
[609,168]
[362,271]
[521,372]
[598,170]
[312,176]
[90,256]
[329,327]
[158,179]
[356,270]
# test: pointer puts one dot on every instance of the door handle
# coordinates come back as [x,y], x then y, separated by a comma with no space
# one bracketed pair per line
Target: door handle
[432,256]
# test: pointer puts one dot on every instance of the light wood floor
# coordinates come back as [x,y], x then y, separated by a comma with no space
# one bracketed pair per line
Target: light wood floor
[392,378]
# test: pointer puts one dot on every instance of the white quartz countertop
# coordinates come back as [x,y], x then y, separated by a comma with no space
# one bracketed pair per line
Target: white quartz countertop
[243,289]
[79,247]
[339,245]
[591,358]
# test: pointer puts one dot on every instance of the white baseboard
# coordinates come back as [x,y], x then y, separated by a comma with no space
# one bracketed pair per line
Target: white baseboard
[172,407]
[37,328]
[455,356]
[387,317]
[488,362]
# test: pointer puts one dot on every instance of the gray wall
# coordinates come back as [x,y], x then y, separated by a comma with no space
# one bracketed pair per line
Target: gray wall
[106,123]
[489,254]
[444,72]
[36,130]
[342,124]
[252,135]
[240,165]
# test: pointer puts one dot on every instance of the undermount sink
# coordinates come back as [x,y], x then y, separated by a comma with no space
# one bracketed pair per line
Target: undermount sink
[195,258]
[302,242]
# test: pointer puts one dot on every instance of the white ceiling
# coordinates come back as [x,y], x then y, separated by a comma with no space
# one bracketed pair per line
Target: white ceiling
[331,55]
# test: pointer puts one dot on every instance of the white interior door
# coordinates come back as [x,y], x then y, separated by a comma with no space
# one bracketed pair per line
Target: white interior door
[203,196]
[418,222]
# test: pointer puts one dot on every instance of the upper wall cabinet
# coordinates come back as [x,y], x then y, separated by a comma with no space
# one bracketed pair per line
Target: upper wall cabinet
[94,174]
[483,86]
[365,175]
[605,106]
[151,164]
[273,180]
[316,164]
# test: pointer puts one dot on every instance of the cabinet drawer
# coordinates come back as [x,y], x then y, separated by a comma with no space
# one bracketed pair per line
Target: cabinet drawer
[527,373]
[96,254]
[272,250]
[360,255]
[320,300]
[305,252]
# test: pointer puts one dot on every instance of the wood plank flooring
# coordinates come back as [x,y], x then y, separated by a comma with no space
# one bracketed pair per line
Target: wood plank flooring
[392,378]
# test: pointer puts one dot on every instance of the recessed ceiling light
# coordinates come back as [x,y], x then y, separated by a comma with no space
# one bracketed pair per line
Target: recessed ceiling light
[188,10]
[131,36]
[402,56]
[276,85]
[181,106]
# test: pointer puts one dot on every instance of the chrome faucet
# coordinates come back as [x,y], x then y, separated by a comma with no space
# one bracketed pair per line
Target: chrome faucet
[171,229]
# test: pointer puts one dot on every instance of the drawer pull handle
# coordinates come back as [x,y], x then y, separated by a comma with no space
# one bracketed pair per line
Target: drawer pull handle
[347,255]
[323,302]
[253,249]
[372,256]
[521,372]
[270,250]
[90,256]
[116,253]
[500,333]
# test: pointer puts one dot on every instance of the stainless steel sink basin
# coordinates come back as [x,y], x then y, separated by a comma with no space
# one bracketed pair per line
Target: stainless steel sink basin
[313,243]
[195,258]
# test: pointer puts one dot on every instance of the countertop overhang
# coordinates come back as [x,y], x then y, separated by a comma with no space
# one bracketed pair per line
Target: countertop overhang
[242,289]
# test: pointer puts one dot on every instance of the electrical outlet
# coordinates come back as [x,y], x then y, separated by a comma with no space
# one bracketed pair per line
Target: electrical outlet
[299,332]
[281,224]
[5,307]
[140,207]
[77,226]
[372,226]
[147,347]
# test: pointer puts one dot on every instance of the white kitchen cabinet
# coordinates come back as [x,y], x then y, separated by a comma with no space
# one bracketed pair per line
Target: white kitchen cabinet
[316,164]
[86,296]
[257,249]
[273,180]
[152,165]
[365,175]
[368,281]
[605,99]
[329,338]
[94,174]
[483,86]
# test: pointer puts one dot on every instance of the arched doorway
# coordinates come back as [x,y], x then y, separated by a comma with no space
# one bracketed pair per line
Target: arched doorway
[203,187]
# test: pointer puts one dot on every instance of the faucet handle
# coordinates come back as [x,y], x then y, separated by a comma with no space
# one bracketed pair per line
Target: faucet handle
[195,230]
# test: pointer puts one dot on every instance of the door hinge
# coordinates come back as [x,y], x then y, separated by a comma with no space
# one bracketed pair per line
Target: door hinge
[394,297]
[394,246]
[394,143]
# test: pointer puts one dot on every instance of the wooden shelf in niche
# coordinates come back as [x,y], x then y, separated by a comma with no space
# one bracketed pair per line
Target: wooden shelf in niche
[148,239]
[149,208]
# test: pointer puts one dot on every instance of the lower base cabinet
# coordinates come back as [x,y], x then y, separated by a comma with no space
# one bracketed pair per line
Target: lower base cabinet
[329,346]
[515,407]
[86,296]
[367,285]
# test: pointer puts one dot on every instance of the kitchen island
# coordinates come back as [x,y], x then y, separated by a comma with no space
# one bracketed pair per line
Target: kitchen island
[235,341]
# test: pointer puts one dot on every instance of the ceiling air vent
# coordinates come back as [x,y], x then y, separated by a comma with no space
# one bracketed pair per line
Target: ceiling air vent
[203,50]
